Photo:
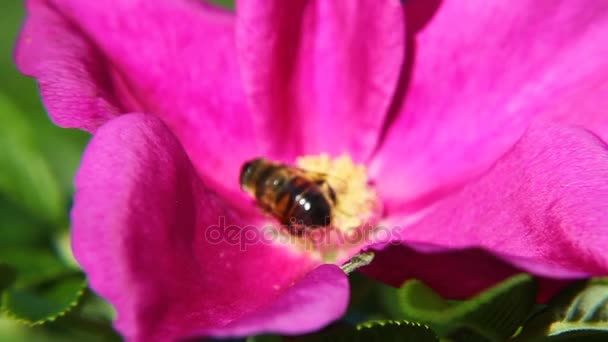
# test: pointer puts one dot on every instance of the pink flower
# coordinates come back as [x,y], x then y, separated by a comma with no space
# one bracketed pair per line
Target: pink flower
[483,125]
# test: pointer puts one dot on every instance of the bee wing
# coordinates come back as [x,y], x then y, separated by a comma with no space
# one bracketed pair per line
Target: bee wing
[313,175]
[322,178]
[329,183]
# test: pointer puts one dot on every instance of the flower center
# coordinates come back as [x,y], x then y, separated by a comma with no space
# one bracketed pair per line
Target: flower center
[325,206]
[354,213]
[356,202]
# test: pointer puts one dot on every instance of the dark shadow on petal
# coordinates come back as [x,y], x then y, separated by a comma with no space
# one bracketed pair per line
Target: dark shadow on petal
[453,274]
[418,13]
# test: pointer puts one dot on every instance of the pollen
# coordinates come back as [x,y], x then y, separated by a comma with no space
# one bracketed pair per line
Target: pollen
[356,201]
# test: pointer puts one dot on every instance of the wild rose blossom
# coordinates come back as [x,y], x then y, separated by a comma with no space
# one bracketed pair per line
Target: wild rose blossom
[482,125]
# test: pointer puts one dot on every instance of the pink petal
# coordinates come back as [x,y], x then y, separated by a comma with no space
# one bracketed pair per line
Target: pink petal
[481,71]
[542,208]
[74,79]
[173,58]
[297,311]
[320,75]
[143,230]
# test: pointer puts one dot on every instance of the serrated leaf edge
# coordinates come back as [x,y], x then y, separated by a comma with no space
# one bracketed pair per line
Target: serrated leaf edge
[382,323]
[569,323]
[11,315]
[473,303]
[558,328]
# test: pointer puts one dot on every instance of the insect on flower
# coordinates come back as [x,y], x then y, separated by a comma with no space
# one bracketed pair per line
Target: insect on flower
[318,191]
[298,198]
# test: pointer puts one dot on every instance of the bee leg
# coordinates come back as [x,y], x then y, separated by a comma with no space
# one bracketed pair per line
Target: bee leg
[266,209]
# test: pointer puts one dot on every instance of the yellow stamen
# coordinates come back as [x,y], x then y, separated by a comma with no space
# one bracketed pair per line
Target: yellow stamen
[356,201]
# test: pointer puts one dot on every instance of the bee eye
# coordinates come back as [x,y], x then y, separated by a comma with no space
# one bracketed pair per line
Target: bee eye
[246,172]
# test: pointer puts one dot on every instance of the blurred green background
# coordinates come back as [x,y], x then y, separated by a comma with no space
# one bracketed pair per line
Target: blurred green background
[37,164]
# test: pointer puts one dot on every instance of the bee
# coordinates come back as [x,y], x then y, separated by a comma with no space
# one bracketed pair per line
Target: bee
[297,198]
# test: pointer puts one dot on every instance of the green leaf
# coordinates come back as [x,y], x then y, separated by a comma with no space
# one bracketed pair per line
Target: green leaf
[578,335]
[63,247]
[579,310]
[495,314]
[33,265]
[365,303]
[7,276]
[380,331]
[229,4]
[388,299]
[394,331]
[264,338]
[26,177]
[45,302]
[18,87]
[588,310]
[18,227]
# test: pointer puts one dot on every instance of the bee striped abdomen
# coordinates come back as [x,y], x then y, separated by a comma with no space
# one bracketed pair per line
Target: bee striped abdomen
[264,179]
[285,198]
[311,210]
[307,205]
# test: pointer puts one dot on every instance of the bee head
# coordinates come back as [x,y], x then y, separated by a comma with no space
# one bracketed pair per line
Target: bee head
[248,171]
